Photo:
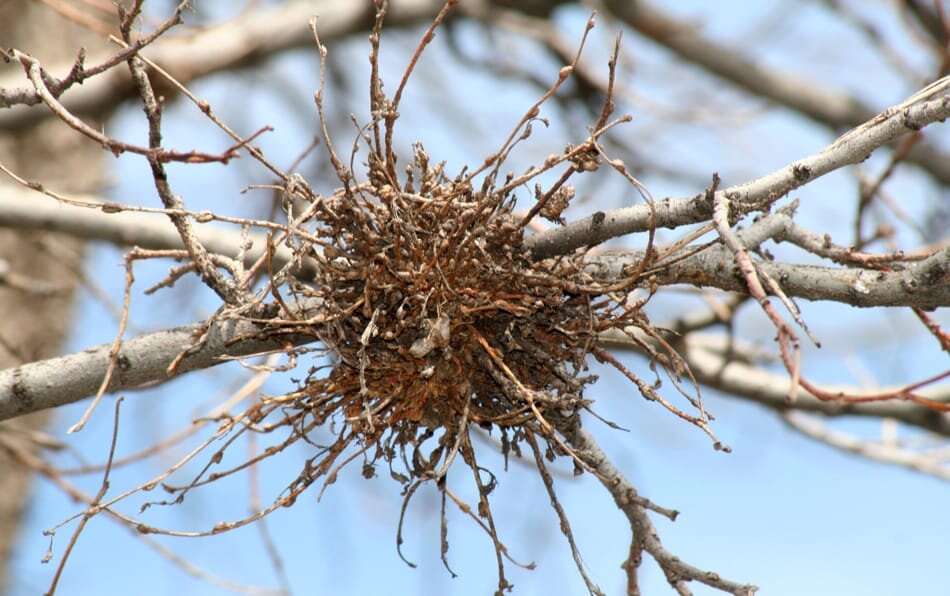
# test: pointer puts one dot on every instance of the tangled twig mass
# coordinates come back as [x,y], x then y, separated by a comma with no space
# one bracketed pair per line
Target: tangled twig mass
[437,319]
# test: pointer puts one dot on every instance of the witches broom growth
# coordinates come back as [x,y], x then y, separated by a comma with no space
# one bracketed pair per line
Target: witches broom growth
[436,317]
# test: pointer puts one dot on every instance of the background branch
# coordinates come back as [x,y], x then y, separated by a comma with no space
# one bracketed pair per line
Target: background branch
[25,208]
[714,364]
[237,43]
[806,96]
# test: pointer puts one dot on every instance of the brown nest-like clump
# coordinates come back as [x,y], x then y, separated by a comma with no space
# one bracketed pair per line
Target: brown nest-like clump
[437,318]
[436,314]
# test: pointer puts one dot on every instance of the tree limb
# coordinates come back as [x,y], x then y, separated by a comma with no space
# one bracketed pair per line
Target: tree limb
[142,360]
[145,359]
[851,148]
[714,367]
[883,451]
[922,284]
[645,537]
[826,106]
[22,208]
[233,44]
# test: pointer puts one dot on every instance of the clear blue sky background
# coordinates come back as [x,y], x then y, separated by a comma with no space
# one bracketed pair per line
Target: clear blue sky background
[781,511]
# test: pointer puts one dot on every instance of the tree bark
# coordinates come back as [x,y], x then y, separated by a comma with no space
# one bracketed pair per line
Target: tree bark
[47,262]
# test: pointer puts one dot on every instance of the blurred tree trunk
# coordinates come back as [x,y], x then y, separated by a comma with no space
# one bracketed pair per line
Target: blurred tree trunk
[66,162]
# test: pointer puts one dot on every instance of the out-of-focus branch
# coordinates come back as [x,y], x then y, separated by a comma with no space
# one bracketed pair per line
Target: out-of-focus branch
[260,33]
[935,464]
[40,268]
[832,108]
[713,366]
[22,208]
[240,42]
[932,19]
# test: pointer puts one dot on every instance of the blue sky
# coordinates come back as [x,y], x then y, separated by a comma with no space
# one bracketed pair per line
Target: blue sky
[781,511]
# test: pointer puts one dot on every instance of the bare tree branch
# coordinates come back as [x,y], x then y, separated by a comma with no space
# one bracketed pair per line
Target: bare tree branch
[237,43]
[143,360]
[830,107]
[645,537]
[924,284]
[921,284]
[713,365]
[935,464]
[806,96]
[931,104]
[264,32]
[101,220]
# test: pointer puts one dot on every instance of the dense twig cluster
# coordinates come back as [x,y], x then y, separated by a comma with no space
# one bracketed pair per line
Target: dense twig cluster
[438,319]
[427,293]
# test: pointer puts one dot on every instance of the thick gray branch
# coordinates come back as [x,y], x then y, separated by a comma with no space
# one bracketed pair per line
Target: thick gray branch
[145,359]
[924,284]
[142,360]
[851,148]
